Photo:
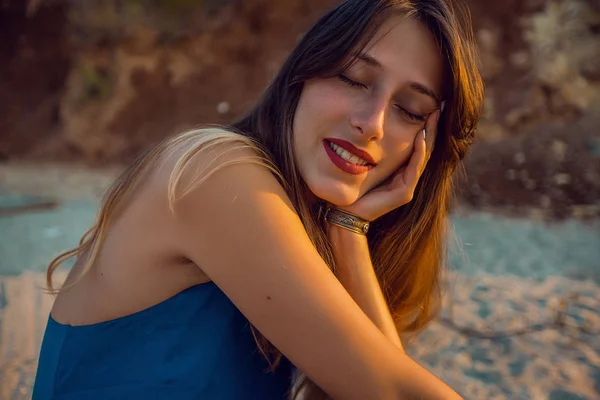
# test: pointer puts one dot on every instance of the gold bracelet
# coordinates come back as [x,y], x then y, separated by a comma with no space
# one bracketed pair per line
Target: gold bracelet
[346,220]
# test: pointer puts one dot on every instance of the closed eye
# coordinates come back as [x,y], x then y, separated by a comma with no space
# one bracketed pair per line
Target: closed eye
[351,82]
[405,112]
[411,116]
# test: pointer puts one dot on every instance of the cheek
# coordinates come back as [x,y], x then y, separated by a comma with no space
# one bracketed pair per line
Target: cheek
[399,146]
[302,119]
[321,104]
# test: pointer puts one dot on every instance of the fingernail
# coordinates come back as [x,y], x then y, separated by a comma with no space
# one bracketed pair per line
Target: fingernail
[424,134]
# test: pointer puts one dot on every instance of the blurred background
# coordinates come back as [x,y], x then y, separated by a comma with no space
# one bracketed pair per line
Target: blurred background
[85,86]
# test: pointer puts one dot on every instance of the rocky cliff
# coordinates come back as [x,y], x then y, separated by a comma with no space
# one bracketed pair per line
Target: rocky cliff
[100,81]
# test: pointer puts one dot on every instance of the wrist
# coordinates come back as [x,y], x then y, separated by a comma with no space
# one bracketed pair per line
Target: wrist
[346,220]
[342,237]
[348,242]
[350,250]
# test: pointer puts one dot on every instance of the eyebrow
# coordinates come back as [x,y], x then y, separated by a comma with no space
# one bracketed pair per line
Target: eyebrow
[370,60]
[416,86]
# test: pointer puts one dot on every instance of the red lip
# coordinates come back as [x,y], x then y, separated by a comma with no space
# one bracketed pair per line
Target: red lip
[344,165]
[353,149]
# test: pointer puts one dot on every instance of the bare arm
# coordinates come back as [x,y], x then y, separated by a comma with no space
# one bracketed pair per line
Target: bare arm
[355,272]
[355,269]
[241,229]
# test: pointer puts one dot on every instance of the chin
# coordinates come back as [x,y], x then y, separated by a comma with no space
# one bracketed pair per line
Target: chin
[337,196]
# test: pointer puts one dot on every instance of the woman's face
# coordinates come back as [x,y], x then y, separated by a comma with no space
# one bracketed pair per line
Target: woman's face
[353,131]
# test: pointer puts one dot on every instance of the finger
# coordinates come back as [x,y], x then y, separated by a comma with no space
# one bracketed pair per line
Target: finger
[416,162]
[398,178]
[431,131]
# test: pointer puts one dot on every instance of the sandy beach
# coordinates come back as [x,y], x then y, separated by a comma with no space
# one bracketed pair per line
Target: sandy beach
[521,313]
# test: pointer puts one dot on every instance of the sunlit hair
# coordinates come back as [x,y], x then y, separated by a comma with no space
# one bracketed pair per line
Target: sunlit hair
[407,245]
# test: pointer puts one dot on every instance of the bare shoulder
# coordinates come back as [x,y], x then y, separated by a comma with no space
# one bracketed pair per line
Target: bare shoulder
[240,227]
[192,158]
[206,177]
[218,178]
[234,220]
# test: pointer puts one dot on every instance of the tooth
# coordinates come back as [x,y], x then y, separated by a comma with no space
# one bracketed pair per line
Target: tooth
[346,155]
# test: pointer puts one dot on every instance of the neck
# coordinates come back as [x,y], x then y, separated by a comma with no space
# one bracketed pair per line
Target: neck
[311,199]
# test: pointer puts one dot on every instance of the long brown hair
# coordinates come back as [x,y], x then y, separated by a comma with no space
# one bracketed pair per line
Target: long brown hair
[407,245]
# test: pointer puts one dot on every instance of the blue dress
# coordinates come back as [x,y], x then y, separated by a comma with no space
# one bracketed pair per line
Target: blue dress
[195,345]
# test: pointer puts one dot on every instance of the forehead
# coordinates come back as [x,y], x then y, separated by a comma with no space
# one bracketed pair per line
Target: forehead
[408,51]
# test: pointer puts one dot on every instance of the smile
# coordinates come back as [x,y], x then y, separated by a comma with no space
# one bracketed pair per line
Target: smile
[346,160]
[346,155]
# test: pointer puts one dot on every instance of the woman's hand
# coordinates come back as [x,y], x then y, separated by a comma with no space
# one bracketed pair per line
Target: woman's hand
[399,188]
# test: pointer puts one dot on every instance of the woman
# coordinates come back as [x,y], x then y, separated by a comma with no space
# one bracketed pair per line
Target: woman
[319,219]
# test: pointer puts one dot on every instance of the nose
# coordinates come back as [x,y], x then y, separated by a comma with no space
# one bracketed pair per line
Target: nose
[369,119]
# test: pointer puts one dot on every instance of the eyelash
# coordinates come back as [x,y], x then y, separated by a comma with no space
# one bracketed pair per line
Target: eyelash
[353,83]
[350,82]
